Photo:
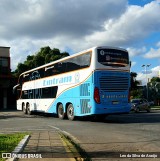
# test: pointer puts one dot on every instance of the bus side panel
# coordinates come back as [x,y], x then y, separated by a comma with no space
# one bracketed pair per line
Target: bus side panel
[114,99]
[19,104]
[80,96]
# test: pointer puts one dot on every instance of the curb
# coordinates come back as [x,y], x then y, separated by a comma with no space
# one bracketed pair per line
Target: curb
[19,148]
[71,144]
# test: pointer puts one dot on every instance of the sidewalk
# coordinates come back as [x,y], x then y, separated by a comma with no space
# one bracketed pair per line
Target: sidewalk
[48,145]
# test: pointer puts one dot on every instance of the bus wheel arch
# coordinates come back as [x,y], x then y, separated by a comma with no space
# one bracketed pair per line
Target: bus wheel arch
[70,111]
[60,111]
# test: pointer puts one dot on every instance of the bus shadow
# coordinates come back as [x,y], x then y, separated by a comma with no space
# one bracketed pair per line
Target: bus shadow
[127,118]
[19,114]
[131,118]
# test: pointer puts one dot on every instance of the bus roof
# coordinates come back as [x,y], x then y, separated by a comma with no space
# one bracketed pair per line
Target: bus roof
[76,54]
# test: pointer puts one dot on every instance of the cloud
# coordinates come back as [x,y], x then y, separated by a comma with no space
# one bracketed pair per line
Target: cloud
[26,26]
[131,27]
[133,64]
[158,44]
[136,51]
[153,53]
[154,73]
[51,18]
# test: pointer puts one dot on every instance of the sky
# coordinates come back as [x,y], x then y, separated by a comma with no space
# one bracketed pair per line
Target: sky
[76,25]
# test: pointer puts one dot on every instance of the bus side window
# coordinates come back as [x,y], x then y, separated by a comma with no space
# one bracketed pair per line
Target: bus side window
[48,70]
[26,77]
[49,92]
[79,62]
[59,68]
[72,66]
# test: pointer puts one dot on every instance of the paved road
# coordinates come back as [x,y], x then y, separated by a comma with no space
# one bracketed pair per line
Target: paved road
[118,133]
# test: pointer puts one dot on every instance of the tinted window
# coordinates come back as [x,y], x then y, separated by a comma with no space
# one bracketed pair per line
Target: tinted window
[31,76]
[49,92]
[78,62]
[75,63]
[55,69]
[113,57]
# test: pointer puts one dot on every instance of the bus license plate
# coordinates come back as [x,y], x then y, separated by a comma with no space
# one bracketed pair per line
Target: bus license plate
[115,102]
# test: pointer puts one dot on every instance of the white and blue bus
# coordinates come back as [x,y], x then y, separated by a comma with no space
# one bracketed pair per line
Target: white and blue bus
[92,82]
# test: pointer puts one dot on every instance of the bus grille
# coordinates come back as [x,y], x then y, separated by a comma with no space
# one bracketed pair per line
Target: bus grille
[114,83]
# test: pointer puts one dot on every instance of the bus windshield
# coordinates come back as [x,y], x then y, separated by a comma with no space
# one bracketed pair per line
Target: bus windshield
[113,57]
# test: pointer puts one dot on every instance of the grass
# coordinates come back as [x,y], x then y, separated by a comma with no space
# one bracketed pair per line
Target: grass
[79,154]
[158,107]
[8,142]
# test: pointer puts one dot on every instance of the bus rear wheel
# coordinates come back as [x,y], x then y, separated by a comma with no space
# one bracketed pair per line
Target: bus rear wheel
[28,109]
[61,113]
[70,112]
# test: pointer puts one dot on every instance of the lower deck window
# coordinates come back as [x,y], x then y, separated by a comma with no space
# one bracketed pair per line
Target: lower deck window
[40,93]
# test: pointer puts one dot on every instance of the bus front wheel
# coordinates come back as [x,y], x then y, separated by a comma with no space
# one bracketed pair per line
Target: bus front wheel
[24,109]
[61,113]
[70,112]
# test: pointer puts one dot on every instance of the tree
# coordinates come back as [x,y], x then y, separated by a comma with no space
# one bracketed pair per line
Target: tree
[45,55]
[134,82]
[20,68]
[154,89]
[136,92]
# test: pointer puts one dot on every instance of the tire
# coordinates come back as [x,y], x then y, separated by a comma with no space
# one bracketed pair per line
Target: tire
[24,109]
[60,111]
[149,109]
[70,112]
[28,109]
[137,110]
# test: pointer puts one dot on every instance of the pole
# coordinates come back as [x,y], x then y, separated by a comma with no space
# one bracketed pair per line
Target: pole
[146,82]
[145,69]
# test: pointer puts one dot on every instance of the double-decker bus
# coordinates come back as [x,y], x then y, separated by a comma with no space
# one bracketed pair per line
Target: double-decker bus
[92,82]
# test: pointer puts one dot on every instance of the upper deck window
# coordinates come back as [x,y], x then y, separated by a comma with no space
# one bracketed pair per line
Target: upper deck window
[113,57]
[71,64]
[78,62]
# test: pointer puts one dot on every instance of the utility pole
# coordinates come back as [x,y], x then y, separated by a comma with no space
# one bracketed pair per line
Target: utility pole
[146,72]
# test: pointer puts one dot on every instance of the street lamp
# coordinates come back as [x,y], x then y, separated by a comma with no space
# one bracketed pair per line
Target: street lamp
[146,72]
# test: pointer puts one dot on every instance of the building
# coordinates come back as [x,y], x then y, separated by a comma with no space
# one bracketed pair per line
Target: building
[5,77]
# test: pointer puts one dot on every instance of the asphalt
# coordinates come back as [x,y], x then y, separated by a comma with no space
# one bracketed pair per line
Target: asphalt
[46,146]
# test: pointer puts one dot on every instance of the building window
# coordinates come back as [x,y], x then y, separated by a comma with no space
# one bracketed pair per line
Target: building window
[4,66]
[4,62]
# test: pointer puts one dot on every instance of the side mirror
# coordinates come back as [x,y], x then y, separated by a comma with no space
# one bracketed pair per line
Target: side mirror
[130,63]
[15,88]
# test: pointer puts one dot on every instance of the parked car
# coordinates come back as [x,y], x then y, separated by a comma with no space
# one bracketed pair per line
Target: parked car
[140,105]
[151,103]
